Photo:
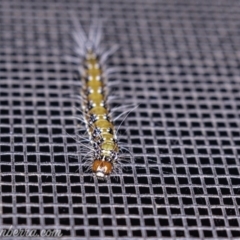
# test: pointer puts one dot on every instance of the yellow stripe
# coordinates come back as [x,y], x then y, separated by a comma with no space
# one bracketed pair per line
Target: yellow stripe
[94,74]
[108,146]
[103,124]
[95,86]
[95,97]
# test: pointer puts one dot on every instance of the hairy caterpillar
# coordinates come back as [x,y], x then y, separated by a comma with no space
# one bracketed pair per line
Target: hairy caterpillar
[104,151]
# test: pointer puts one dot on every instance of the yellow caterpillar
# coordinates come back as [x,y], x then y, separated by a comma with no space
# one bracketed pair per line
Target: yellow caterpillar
[100,128]
[105,152]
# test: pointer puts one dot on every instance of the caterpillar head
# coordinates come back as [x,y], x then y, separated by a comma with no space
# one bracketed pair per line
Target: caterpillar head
[101,169]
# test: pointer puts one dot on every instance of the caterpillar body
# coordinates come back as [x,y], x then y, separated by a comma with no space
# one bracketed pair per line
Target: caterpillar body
[105,152]
[100,127]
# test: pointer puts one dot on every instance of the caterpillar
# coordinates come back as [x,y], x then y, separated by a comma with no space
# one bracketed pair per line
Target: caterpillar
[105,152]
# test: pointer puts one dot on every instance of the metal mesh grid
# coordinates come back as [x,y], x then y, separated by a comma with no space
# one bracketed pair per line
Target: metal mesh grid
[180,62]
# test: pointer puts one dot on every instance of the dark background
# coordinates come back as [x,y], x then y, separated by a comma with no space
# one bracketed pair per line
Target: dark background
[179,61]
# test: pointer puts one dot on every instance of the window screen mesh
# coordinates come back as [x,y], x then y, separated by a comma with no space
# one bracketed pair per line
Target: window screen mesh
[179,62]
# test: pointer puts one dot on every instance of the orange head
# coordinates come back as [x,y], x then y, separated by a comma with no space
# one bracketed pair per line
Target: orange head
[101,169]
